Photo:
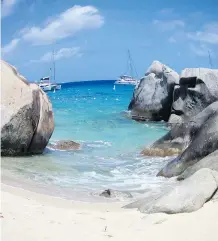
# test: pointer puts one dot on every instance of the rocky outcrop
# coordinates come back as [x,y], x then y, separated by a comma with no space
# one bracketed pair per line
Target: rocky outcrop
[193,138]
[198,136]
[188,196]
[193,119]
[152,98]
[198,88]
[26,115]
[163,95]
[65,145]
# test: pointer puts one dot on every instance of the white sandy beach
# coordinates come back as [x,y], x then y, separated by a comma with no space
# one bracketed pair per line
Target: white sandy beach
[29,216]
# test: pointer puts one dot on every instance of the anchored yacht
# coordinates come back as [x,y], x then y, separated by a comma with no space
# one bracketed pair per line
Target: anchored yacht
[46,84]
[128,79]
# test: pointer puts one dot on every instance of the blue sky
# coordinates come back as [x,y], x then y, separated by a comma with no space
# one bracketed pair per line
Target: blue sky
[91,38]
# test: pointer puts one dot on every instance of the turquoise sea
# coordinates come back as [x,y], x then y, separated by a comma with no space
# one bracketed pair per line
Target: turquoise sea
[94,114]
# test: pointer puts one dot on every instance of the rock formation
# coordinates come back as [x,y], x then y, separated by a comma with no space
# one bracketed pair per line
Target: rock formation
[193,138]
[189,104]
[26,115]
[152,98]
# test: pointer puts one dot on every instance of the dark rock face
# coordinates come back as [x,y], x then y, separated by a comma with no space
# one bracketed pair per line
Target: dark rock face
[210,161]
[199,136]
[152,98]
[197,89]
[26,115]
[65,145]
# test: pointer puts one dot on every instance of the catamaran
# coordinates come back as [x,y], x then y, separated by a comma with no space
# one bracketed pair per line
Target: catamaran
[48,85]
[128,79]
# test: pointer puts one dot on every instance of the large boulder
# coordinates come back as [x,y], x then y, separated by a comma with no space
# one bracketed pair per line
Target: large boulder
[188,196]
[26,115]
[198,88]
[198,136]
[152,98]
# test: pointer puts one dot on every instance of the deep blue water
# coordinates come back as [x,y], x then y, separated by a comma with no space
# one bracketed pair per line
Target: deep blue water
[95,115]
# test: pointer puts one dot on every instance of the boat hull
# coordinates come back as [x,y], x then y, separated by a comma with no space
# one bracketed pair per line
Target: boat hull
[118,82]
[46,88]
[58,87]
[50,87]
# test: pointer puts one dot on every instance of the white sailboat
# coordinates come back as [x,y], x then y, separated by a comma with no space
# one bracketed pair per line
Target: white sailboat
[48,85]
[128,79]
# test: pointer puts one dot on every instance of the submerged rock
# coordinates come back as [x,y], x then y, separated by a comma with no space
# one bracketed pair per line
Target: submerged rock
[200,137]
[26,115]
[188,196]
[109,193]
[160,152]
[153,97]
[106,193]
[65,145]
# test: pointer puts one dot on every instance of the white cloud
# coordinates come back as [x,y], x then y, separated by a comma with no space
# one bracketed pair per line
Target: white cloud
[60,54]
[166,11]
[209,34]
[172,40]
[200,50]
[66,24]
[169,25]
[8,48]
[7,7]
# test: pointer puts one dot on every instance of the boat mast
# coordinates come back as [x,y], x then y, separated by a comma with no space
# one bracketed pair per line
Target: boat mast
[130,64]
[210,61]
[49,80]
[54,64]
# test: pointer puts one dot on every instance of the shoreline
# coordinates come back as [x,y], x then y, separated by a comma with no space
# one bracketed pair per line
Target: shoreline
[55,200]
[57,191]
[34,216]
[81,195]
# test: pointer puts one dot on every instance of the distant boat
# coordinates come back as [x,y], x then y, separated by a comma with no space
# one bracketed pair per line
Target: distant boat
[48,86]
[45,82]
[128,79]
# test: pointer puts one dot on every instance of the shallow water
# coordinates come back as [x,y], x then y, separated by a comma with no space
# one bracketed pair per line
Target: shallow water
[94,114]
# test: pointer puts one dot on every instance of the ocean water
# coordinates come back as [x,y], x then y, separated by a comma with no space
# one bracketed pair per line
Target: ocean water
[95,115]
